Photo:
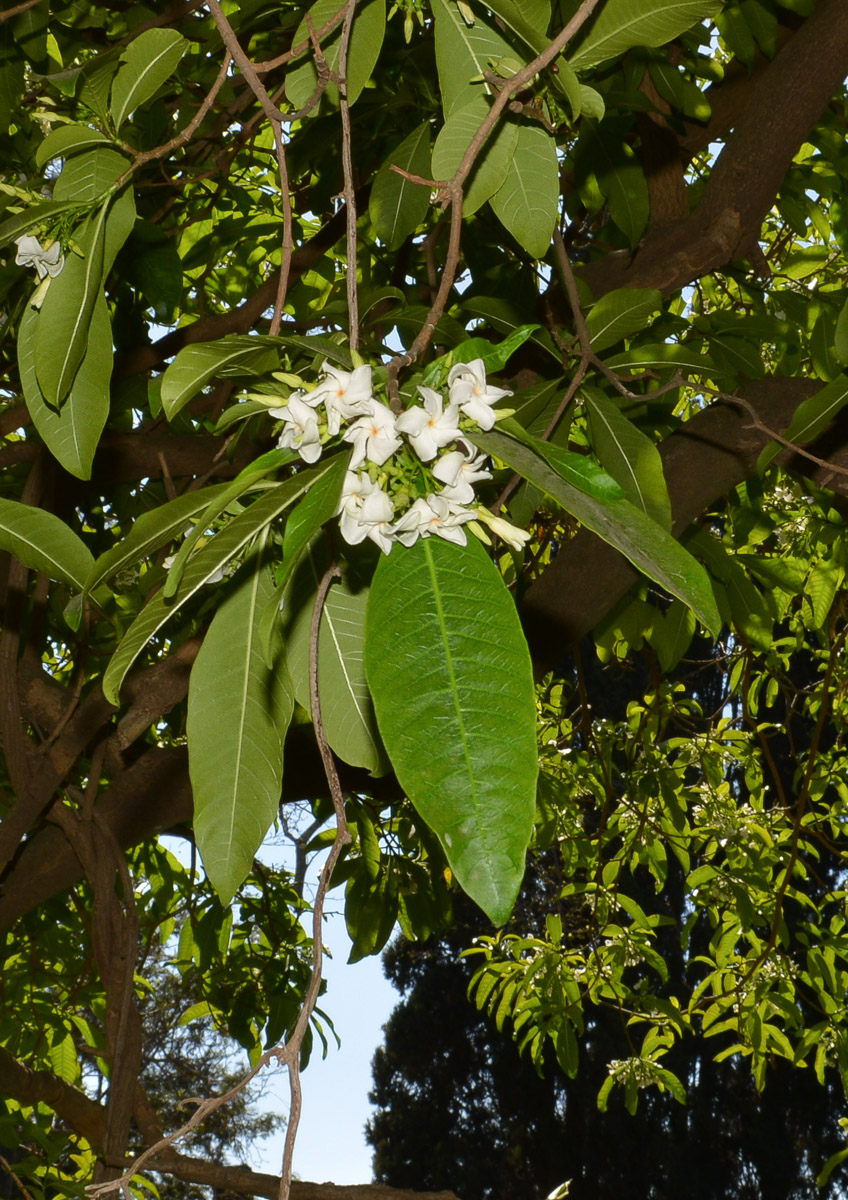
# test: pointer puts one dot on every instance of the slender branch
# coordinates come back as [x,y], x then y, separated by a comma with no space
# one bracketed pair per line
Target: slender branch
[246,67]
[16,11]
[347,167]
[756,423]
[288,235]
[10,1170]
[296,51]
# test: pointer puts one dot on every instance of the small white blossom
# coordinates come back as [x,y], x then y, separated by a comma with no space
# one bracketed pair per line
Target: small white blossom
[459,471]
[373,436]
[300,432]
[344,394]
[430,428]
[366,512]
[433,515]
[474,397]
[47,260]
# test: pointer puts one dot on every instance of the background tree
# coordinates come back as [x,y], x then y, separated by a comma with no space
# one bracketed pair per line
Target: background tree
[272,277]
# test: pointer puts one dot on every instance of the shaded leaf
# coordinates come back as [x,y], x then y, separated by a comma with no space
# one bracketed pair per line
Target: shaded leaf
[145,65]
[463,54]
[620,24]
[66,141]
[811,417]
[397,207]
[620,313]
[493,163]
[366,40]
[43,542]
[194,366]
[630,457]
[526,203]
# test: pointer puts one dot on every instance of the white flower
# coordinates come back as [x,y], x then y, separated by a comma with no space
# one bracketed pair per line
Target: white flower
[345,394]
[373,436]
[459,471]
[469,390]
[47,260]
[366,511]
[300,432]
[433,515]
[429,428]
[505,530]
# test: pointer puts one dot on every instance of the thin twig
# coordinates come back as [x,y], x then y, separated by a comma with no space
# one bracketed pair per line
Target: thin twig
[4,1163]
[288,235]
[349,193]
[18,9]
[772,433]
[246,67]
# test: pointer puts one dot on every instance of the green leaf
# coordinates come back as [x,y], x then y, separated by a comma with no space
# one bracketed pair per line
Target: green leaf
[578,470]
[620,24]
[615,520]
[463,54]
[630,457]
[195,366]
[87,177]
[66,141]
[603,151]
[495,356]
[452,682]
[530,22]
[811,417]
[317,507]
[346,707]
[366,40]
[493,163]
[397,207]
[22,222]
[663,354]
[152,529]
[840,335]
[43,542]
[62,333]
[63,1058]
[526,203]
[238,712]
[72,434]
[145,65]
[620,313]
[213,557]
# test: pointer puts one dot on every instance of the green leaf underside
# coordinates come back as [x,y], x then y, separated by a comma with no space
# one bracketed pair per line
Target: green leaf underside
[449,670]
[68,140]
[463,54]
[72,434]
[43,542]
[366,40]
[616,521]
[397,207]
[219,551]
[620,313]
[238,711]
[630,457]
[620,24]
[346,707]
[492,167]
[146,64]
[195,366]
[526,202]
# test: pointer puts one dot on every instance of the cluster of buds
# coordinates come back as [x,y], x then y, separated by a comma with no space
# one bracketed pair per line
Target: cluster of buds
[411,475]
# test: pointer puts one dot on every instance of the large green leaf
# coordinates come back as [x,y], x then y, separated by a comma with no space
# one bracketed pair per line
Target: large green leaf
[492,167]
[208,562]
[88,177]
[62,333]
[616,521]
[450,674]
[366,40]
[463,54]
[620,313]
[811,417]
[239,709]
[195,366]
[145,65]
[664,354]
[72,434]
[603,151]
[346,707]
[526,203]
[43,542]
[397,207]
[578,470]
[620,24]
[630,457]
[66,141]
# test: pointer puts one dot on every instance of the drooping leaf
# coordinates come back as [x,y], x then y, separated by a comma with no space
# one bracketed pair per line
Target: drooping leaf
[366,40]
[62,332]
[208,562]
[194,366]
[620,24]
[526,202]
[450,674]
[615,520]
[72,434]
[145,65]
[397,206]
[492,167]
[43,542]
[347,710]
[620,313]
[463,54]
[317,507]
[239,709]
[631,458]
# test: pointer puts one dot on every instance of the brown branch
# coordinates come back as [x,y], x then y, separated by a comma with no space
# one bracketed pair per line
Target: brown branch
[244,64]
[314,35]
[17,9]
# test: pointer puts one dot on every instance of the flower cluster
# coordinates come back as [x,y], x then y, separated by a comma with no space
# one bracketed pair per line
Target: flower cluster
[411,475]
